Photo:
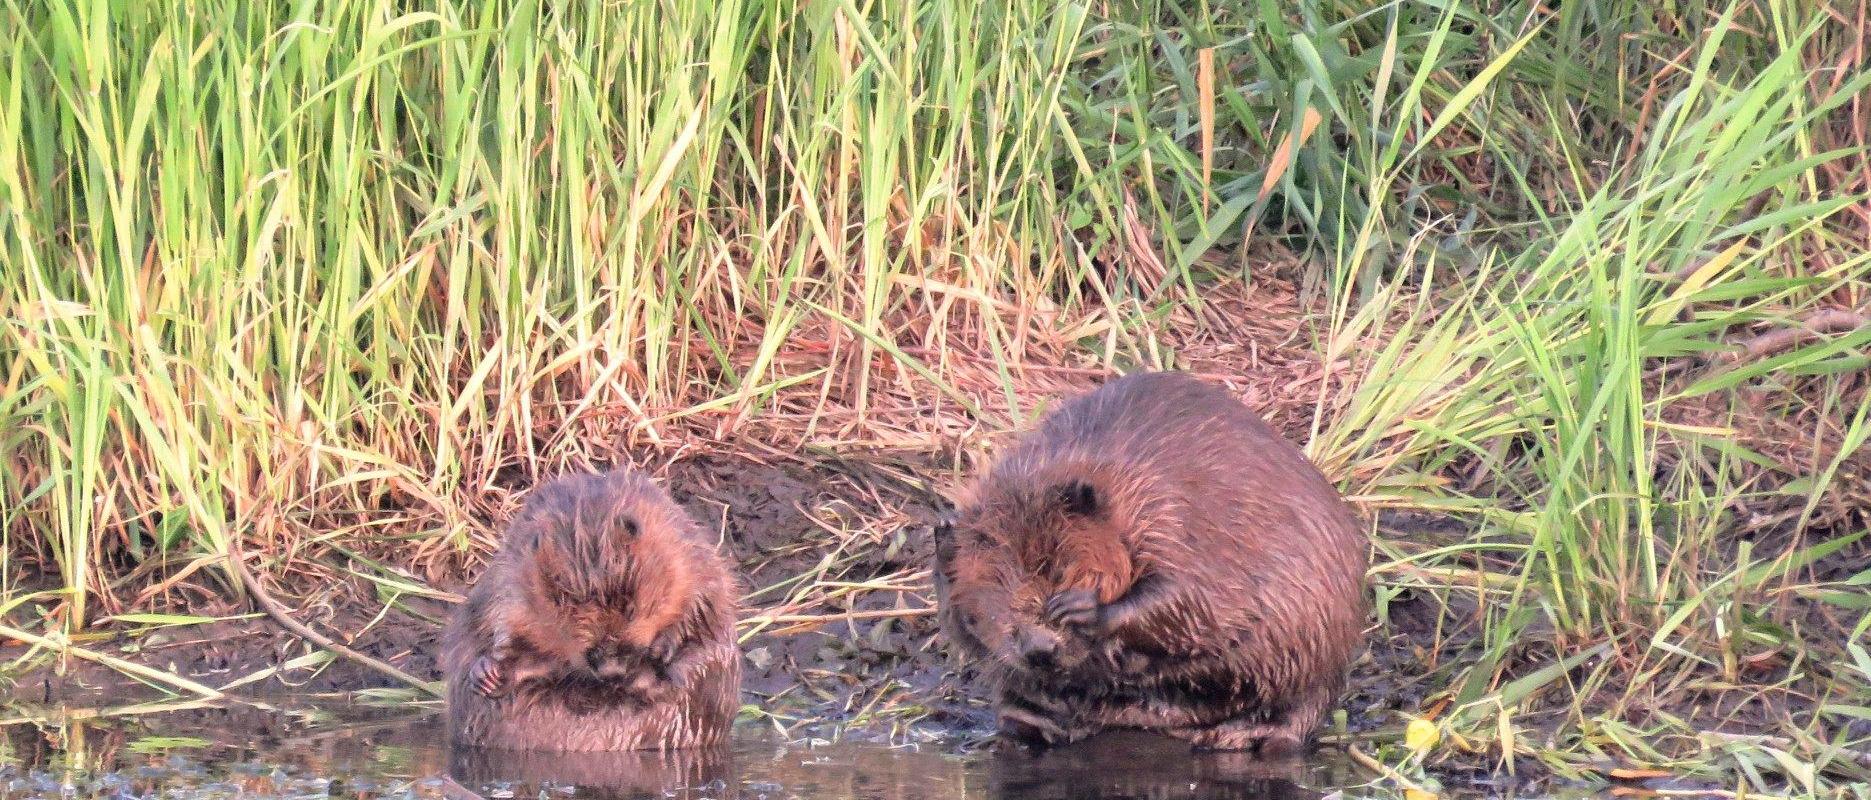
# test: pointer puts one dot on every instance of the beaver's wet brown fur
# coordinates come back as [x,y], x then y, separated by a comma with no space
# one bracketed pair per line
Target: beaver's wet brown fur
[604,622]
[1156,557]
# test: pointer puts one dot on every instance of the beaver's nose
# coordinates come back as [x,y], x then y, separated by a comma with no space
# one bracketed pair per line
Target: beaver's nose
[1036,645]
[613,659]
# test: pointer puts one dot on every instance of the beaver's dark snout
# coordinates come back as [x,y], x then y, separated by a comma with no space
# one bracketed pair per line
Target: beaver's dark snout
[613,659]
[1036,646]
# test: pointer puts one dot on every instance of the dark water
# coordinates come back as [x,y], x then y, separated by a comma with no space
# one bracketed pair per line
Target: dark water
[211,753]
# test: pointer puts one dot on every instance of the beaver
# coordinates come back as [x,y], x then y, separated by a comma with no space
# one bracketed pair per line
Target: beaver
[1156,557]
[604,622]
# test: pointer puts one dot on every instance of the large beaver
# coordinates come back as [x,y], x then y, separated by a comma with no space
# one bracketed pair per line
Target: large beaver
[1156,557]
[604,622]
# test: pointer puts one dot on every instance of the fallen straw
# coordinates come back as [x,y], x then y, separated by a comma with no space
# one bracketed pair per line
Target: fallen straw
[127,667]
[279,613]
[1378,767]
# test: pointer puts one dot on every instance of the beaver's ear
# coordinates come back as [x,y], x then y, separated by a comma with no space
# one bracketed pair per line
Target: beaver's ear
[1077,498]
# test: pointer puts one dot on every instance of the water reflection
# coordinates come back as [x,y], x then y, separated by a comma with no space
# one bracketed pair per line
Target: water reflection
[306,752]
[1112,767]
[596,775]
[1143,767]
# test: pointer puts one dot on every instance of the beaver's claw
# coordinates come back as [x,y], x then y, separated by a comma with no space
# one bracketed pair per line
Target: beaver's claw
[485,675]
[1078,608]
[1028,727]
[664,647]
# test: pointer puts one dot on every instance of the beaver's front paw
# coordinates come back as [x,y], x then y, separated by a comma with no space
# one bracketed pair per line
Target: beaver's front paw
[652,686]
[1076,608]
[484,676]
[664,648]
[1029,728]
[676,675]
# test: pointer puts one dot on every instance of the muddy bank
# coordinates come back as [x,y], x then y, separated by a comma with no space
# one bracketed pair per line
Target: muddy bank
[840,631]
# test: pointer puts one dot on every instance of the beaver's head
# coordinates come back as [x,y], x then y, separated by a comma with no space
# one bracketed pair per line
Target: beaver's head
[610,574]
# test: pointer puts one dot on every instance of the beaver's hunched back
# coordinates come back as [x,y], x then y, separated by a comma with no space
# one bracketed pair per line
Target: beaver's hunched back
[1155,556]
[604,622]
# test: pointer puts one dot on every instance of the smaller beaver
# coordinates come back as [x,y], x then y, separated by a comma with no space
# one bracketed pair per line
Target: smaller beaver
[1156,557]
[604,622]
